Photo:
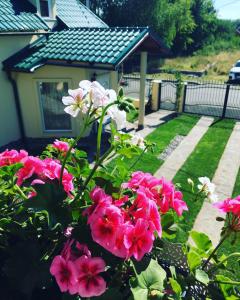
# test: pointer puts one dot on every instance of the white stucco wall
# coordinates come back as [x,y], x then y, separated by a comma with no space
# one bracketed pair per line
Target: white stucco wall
[9,127]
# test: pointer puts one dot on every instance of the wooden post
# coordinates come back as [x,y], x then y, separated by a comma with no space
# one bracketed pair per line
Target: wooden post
[156,93]
[143,71]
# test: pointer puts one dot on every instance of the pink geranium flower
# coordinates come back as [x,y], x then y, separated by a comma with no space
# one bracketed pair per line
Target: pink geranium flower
[138,239]
[31,165]
[178,204]
[89,282]
[229,206]
[104,227]
[61,146]
[65,274]
[9,157]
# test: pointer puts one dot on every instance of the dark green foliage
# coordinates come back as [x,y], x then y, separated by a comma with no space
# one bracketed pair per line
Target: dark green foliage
[186,26]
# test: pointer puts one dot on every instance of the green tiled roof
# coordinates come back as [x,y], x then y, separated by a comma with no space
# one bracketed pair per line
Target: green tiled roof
[86,45]
[74,14]
[16,15]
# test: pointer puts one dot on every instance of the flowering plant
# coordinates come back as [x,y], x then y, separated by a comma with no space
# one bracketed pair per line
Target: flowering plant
[70,230]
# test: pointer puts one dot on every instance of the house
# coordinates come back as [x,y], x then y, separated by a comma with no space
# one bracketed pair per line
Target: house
[47,47]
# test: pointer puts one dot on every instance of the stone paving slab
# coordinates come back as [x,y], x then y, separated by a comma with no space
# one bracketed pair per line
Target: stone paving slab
[177,158]
[151,122]
[224,179]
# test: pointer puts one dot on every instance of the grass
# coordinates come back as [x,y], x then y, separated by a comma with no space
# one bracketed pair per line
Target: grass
[202,162]
[162,137]
[227,248]
[223,62]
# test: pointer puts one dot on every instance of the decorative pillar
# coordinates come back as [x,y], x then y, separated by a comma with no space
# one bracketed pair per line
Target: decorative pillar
[143,71]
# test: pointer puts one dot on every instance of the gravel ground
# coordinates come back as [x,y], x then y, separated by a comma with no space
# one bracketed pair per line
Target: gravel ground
[172,146]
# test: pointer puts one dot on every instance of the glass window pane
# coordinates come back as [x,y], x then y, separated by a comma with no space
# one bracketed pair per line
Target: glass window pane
[44,10]
[51,94]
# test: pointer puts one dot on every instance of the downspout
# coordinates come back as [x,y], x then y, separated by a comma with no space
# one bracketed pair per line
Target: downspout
[18,107]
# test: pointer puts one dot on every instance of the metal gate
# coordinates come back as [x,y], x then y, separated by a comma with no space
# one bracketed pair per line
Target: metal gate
[213,99]
[167,95]
[205,99]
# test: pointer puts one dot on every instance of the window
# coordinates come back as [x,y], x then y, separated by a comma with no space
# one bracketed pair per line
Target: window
[45,8]
[53,115]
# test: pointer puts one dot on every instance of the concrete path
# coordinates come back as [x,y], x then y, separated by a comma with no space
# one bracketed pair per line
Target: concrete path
[151,122]
[177,158]
[224,179]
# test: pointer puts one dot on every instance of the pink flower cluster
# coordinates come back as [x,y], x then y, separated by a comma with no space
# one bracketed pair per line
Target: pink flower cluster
[126,227]
[77,272]
[61,146]
[232,207]
[160,191]
[229,206]
[47,169]
[10,157]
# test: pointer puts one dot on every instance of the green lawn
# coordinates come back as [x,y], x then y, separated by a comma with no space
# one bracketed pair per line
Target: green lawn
[202,162]
[162,137]
[227,248]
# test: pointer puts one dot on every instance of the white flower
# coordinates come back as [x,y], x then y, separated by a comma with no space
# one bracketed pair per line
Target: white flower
[208,188]
[119,117]
[99,96]
[138,140]
[75,102]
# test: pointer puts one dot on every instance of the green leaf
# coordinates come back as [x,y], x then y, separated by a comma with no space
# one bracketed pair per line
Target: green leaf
[202,276]
[227,289]
[201,240]
[150,277]
[120,92]
[176,287]
[50,197]
[194,259]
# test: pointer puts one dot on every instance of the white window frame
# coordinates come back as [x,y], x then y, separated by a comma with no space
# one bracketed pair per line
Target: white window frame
[50,9]
[38,81]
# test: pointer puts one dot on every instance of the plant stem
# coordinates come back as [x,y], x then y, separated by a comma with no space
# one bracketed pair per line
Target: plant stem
[215,250]
[21,192]
[97,164]
[226,282]
[213,268]
[100,128]
[71,147]
[137,160]
[134,269]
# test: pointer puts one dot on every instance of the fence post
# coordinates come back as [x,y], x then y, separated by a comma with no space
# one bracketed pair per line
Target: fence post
[159,94]
[226,100]
[180,96]
[184,96]
[155,94]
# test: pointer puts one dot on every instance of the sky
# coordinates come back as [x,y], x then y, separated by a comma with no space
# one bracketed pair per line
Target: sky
[228,9]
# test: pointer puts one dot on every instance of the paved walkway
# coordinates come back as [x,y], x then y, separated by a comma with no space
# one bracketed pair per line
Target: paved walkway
[224,179]
[177,158]
[151,122]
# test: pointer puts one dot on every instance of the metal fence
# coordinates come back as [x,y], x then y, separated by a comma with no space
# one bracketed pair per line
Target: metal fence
[131,86]
[201,97]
